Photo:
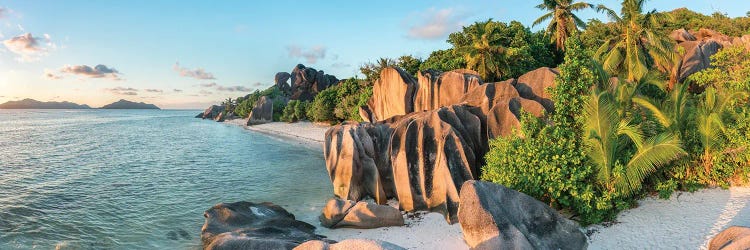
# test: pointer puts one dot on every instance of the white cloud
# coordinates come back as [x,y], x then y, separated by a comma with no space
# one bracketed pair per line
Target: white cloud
[197,73]
[436,24]
[311,55]
[122,91]
[98,71]
[28,47]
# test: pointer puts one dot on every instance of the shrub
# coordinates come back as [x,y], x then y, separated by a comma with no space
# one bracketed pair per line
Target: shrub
[321,109]
[295,111]
[549,162]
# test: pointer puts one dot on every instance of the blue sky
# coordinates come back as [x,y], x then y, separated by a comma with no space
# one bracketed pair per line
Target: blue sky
[187,54]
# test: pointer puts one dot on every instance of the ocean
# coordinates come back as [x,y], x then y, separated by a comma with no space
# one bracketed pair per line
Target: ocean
[139,179]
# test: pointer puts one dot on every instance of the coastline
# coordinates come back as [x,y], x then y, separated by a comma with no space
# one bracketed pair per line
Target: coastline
[303,133]
[686,220]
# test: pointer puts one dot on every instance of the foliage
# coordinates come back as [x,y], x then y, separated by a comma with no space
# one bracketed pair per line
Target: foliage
[353,93]
[498,50]
[563,22]
[321,108]
[443,60]
[371,71]
[561,174]
[244,107]
[409,63]
[691,20]
[279,104]
[294,111]
[638,46]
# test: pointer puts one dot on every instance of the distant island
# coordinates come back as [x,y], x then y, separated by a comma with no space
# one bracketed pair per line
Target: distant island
[34,104]
[125,104]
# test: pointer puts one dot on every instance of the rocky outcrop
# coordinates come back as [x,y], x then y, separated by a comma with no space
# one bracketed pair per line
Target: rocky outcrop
[533,85]
[262,111]
[699,46]
[308,82]
[346,213]
[212,112]
[734,237]
[282,83]
[358,244]
[422,158]
[247,225]
[496,217]
[392,94]
[437,89]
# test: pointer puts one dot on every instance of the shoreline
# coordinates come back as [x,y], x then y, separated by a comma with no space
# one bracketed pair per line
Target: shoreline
[685,221]
[304,133]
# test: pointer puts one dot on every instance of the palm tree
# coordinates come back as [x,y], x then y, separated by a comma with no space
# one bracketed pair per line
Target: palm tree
[711,128]
[638,47]
[674,112]
[563,22]
[483,52]
[372,70]
[622,156]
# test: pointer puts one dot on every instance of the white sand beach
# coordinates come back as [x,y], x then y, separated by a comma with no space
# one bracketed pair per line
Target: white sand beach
[685,221]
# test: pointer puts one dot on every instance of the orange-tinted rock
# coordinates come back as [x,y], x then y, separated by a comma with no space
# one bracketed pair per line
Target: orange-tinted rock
[348,244]
[697,57]
[350,160]
[392,94]
[533,86]
[731,238]
[681,35]
[340,213]
[438,89]
[262,111]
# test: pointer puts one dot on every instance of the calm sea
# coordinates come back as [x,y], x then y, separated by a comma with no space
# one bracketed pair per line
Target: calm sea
[139,179]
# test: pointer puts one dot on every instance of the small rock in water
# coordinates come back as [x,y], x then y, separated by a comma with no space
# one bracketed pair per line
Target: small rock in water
[184,234]
[172,235]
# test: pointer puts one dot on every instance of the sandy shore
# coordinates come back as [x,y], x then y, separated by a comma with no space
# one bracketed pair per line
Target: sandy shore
[303,133]
[685,221]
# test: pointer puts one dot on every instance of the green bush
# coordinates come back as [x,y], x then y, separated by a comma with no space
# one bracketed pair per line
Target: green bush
[549,162]
[295,111]
[321,109]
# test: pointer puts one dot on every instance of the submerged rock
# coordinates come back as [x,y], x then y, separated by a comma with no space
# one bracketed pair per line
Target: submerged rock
[734,237]
[345,213]
[496,217]
[358,244]
[248,225]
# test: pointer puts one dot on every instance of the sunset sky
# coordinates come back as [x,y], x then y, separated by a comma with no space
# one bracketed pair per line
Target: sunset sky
[187,54]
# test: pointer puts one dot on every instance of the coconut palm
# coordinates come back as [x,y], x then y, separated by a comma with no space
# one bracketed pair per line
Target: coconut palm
[622,156]
[483,52]
[674,112]
[563,22]
[638,47]
[711,129]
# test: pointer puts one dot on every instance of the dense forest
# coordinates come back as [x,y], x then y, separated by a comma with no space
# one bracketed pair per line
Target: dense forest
[626,122]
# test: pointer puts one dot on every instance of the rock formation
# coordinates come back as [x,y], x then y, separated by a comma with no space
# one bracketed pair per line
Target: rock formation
[496,217]
[262,111]
[422,158]
[436,89]
[346,213]
[247,225]
[212,112]
[358,244]
[734,237]
[392,94]
[699,46]
[308,82]
[281,80]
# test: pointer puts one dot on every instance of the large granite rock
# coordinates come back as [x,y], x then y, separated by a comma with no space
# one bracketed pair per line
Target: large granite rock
[350,161]
[501,105]
[308,82]
[346,213]
[392,94]
[732,238]
[262,111]
[681,35]
[358,244]
[282,82]
[496,217]
[437,89]
[697,57]
[533,86]
[212,112]
[247,225]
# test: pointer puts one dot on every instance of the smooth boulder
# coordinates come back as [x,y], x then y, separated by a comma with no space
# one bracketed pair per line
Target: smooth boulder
[262,111]
[212,112]
[732,238]
[358,244]
[308,82]
[534,84]
[248,225]
[496,217]
[340,213]
[437,89]
[392,94]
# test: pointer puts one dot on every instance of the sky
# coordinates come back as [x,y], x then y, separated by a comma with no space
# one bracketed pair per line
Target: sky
[189,54]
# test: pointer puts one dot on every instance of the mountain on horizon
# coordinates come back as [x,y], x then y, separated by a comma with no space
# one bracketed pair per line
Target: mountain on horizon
[34,104]
[125,104]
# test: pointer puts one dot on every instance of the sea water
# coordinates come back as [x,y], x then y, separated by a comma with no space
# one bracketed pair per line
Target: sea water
[139,179]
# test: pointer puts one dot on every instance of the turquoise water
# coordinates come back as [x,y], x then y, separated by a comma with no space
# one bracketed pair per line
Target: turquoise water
[139,179]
